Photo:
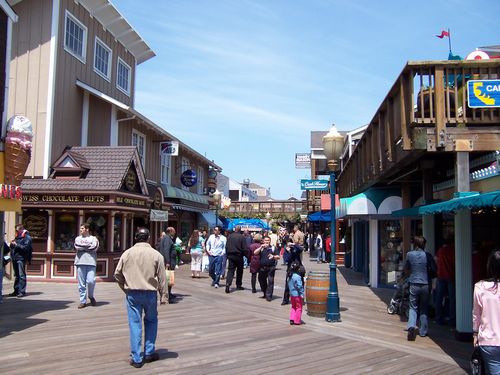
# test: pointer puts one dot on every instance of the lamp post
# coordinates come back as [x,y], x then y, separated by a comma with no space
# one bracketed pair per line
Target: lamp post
[216,196]
[268,217]
[333,142]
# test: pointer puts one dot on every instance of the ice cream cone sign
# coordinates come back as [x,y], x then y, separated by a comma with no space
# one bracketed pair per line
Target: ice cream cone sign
[14,162]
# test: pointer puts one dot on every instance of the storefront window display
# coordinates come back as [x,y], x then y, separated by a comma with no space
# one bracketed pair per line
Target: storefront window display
[391,252]
[66,230]
[98,228]
[117,243]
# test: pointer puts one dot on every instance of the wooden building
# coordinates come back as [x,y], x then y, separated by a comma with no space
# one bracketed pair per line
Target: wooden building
[435,136]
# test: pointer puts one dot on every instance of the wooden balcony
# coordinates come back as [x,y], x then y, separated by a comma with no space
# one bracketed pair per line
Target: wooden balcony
[425,111]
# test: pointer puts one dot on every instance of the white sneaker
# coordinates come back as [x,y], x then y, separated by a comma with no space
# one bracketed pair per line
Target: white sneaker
[176,266]
[216,286]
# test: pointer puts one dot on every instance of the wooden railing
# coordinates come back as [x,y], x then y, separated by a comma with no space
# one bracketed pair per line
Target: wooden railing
[425,110]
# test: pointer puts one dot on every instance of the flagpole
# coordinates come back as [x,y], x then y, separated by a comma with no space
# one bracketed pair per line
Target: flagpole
[449,39]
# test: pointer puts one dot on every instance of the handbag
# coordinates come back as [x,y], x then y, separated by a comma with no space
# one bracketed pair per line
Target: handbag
[476,362]
[170,277]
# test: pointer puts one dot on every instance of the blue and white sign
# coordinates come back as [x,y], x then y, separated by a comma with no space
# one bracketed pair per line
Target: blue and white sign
[314,184]
[169,148]
[189,178]
[483,93]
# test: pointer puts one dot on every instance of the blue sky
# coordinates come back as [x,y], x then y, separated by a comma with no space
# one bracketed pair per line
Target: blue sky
[245,81]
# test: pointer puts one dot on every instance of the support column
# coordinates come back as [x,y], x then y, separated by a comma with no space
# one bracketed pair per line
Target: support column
[374,258]
[123,241]
[111,232]
[131,242]
[463,254]
[429,232]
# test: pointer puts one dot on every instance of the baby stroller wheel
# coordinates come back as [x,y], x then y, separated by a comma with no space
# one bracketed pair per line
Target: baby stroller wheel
[391,309]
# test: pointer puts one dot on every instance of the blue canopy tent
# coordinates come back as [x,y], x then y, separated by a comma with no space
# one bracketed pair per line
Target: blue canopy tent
[249,224]
[319,216]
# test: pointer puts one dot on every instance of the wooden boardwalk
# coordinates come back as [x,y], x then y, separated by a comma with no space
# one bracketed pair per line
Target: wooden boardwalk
[210,332]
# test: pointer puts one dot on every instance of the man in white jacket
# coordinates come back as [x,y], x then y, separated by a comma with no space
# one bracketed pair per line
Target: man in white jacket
[85,262]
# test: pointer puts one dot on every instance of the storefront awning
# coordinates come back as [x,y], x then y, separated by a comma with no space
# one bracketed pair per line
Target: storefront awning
[471,201]
[173,192]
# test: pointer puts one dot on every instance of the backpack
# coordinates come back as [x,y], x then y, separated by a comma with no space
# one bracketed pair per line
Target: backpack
[431,266]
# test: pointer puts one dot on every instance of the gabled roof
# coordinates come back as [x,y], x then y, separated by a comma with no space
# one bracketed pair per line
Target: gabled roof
[105,12]
[107,166]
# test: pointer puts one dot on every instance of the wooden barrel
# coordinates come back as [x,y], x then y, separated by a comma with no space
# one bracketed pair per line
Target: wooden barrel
[317,285]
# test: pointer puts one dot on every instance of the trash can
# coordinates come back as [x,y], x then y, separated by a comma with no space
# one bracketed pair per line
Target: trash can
[317,285]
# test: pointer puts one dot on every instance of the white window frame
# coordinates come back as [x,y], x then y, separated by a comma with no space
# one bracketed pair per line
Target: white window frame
[125,91]
[139,136]
[82,58]
[165,168]
[107,76]
[201,179]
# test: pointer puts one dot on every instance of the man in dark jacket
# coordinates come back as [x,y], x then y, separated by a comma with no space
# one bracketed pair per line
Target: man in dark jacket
[21,251]
[167,249]
[236,249]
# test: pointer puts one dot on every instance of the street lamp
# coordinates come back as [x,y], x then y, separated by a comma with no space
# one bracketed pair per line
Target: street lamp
[216,196]
[268,217]
[333,142]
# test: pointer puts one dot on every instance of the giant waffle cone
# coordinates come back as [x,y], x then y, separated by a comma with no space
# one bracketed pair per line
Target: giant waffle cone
[16,163]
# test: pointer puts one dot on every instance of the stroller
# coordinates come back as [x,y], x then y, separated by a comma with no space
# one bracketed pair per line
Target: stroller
[400,301]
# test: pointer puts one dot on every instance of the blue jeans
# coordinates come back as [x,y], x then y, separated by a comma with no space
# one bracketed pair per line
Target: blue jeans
[215,268]
[491,358]
[321,254]
[137,301]
[419,303]
[20,275]
[86,279]
[445,288]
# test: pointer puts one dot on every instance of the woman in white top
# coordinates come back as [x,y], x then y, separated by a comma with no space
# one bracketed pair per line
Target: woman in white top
[196,248]
[486,315]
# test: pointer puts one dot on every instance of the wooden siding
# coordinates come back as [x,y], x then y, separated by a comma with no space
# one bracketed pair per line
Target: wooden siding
[68,97]
[29,71]
[99,122]
[152,167]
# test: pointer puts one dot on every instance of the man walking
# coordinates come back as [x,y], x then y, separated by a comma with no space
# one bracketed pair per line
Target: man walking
[298,237]
[169,252]
[85,262]
[21,252]
[236,249]
[140,273]
[216,248]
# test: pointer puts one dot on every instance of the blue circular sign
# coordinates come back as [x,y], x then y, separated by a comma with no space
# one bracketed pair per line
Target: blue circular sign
[189,178]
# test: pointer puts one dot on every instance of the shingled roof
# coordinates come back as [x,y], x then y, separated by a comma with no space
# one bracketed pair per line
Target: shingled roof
[107,168]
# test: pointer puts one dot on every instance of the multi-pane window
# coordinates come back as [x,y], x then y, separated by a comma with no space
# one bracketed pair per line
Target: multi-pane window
[75,37]
[139,140]
[123,76]
[165,168]
[102,59]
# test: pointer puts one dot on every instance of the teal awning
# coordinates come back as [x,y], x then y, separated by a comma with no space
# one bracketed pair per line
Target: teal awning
[472,201]
[173,192]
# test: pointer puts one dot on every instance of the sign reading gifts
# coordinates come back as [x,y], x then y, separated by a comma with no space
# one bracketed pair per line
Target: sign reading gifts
[314,184]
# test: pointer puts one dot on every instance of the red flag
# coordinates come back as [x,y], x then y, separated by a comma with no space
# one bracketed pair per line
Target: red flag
[443,34]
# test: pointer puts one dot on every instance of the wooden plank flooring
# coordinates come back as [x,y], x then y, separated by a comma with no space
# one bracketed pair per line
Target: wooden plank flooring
[210,332]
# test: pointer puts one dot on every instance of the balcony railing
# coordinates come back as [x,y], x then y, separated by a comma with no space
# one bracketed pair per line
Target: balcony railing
[425,110]
[273,207]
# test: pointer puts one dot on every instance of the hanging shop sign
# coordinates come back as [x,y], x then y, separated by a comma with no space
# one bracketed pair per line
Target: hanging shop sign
[36,223]
[158,215]
[169,148]
[189,178]
[314,184]
[303,161]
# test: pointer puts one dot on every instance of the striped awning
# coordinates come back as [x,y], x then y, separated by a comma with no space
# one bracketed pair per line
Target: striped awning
[173,192]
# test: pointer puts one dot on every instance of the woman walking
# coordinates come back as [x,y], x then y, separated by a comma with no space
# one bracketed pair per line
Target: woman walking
[196,246]
[254,260]
[486,315]
[419,264]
